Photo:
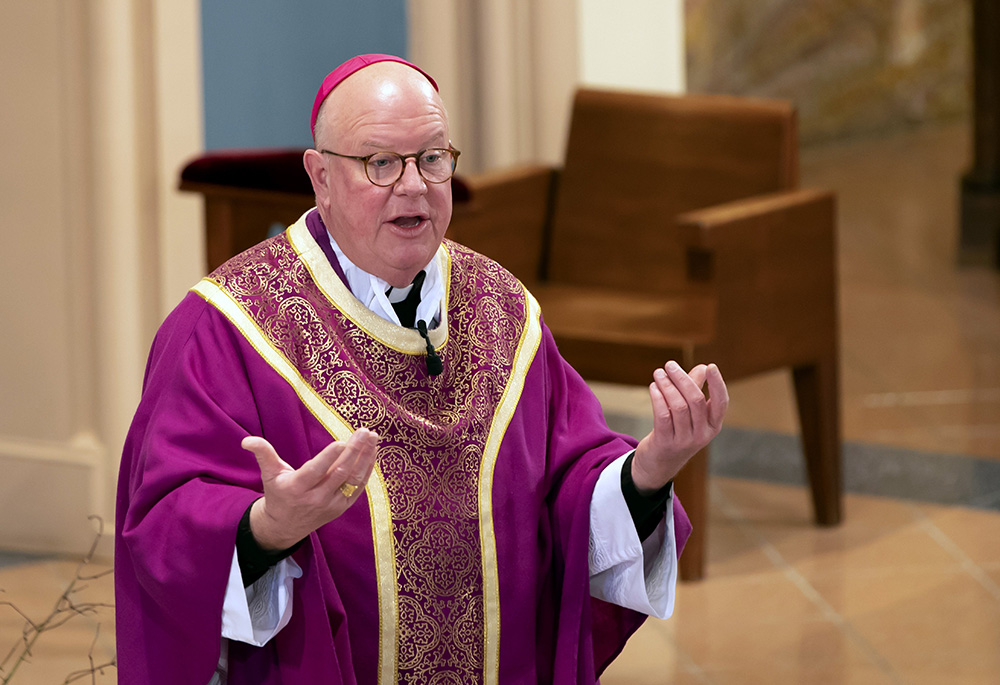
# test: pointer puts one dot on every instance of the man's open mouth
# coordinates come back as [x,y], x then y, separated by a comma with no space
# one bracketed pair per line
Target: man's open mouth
[408,221]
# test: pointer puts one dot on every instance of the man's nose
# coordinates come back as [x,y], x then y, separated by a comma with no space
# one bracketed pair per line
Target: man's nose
[411,182]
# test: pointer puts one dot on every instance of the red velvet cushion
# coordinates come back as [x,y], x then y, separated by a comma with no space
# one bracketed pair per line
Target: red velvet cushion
[279,170]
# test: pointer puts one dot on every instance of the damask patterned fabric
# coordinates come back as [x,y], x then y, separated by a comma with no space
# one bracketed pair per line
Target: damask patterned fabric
[464,561]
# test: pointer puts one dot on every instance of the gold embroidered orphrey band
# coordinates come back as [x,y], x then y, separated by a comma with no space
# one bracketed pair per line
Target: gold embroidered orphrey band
[411,636]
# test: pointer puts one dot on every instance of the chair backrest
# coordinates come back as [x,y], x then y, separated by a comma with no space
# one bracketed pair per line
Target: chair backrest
[635,161]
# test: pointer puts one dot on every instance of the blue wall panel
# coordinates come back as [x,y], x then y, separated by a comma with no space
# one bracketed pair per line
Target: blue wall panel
[264,59]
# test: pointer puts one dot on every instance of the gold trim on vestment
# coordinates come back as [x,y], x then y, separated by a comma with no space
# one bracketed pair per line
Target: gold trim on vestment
[527,347]
[221,300]
[385,574]
[406,340]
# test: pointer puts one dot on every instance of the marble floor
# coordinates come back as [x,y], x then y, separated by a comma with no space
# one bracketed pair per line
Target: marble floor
[907,590]
[902,592]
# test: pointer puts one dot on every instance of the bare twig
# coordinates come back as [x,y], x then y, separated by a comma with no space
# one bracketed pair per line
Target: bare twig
[65,609]
[94,669]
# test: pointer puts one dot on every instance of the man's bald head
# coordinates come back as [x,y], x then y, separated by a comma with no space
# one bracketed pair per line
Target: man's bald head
[346,69]
[373,87]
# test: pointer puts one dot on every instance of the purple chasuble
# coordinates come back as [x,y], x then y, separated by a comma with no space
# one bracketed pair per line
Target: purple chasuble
[466,558]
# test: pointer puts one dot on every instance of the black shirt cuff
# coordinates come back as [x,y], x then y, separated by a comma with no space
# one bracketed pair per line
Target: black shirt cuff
[647,510]
[254,560]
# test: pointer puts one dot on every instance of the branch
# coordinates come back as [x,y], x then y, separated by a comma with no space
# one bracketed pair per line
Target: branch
[64,610]
[94,669]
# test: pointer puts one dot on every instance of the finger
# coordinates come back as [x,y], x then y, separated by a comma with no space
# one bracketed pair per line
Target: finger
[693,396]
[678,406]
[316,469]
[668,377]
[371,467]
[270,464]
[362,468]
[719,402]
[353,463]
[662,418]
[364,444]
[698,375]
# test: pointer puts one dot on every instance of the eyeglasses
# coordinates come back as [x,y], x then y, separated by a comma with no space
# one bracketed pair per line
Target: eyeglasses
[435,165]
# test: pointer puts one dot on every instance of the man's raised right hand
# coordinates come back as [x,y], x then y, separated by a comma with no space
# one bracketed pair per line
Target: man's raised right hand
[298,501]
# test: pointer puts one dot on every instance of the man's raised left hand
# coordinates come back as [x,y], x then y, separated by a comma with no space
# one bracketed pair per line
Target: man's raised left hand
[684,422]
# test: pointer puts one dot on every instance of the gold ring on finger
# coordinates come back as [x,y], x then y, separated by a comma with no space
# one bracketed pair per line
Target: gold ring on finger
[348,489]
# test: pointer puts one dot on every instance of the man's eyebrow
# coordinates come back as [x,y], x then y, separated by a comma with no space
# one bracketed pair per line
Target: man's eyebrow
[432,142]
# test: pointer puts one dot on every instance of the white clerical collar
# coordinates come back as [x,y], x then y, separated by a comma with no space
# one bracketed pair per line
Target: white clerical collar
[370,290]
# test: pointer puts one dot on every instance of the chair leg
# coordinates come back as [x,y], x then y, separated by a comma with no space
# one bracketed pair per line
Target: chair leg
[691,486]
[817,395]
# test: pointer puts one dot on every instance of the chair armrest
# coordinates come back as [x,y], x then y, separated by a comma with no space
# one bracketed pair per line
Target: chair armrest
[711,227]
[772,262]
[506,217]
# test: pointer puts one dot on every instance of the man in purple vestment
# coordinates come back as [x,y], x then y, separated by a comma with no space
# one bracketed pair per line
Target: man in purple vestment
[448,505]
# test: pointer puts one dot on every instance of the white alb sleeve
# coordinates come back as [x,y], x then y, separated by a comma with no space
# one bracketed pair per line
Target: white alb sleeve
[256,614]
[623,570]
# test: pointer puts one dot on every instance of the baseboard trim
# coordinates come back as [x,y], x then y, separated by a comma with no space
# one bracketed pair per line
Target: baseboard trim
[49,491]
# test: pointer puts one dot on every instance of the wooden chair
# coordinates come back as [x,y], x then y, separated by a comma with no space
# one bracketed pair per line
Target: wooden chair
[675,231]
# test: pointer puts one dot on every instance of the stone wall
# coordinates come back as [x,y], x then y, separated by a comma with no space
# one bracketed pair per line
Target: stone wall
[853,67]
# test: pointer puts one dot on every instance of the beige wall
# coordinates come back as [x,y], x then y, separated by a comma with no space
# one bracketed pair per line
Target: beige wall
[634,44]
[102,102]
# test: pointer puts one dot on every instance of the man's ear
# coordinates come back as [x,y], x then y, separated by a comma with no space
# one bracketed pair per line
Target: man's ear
[315,166]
